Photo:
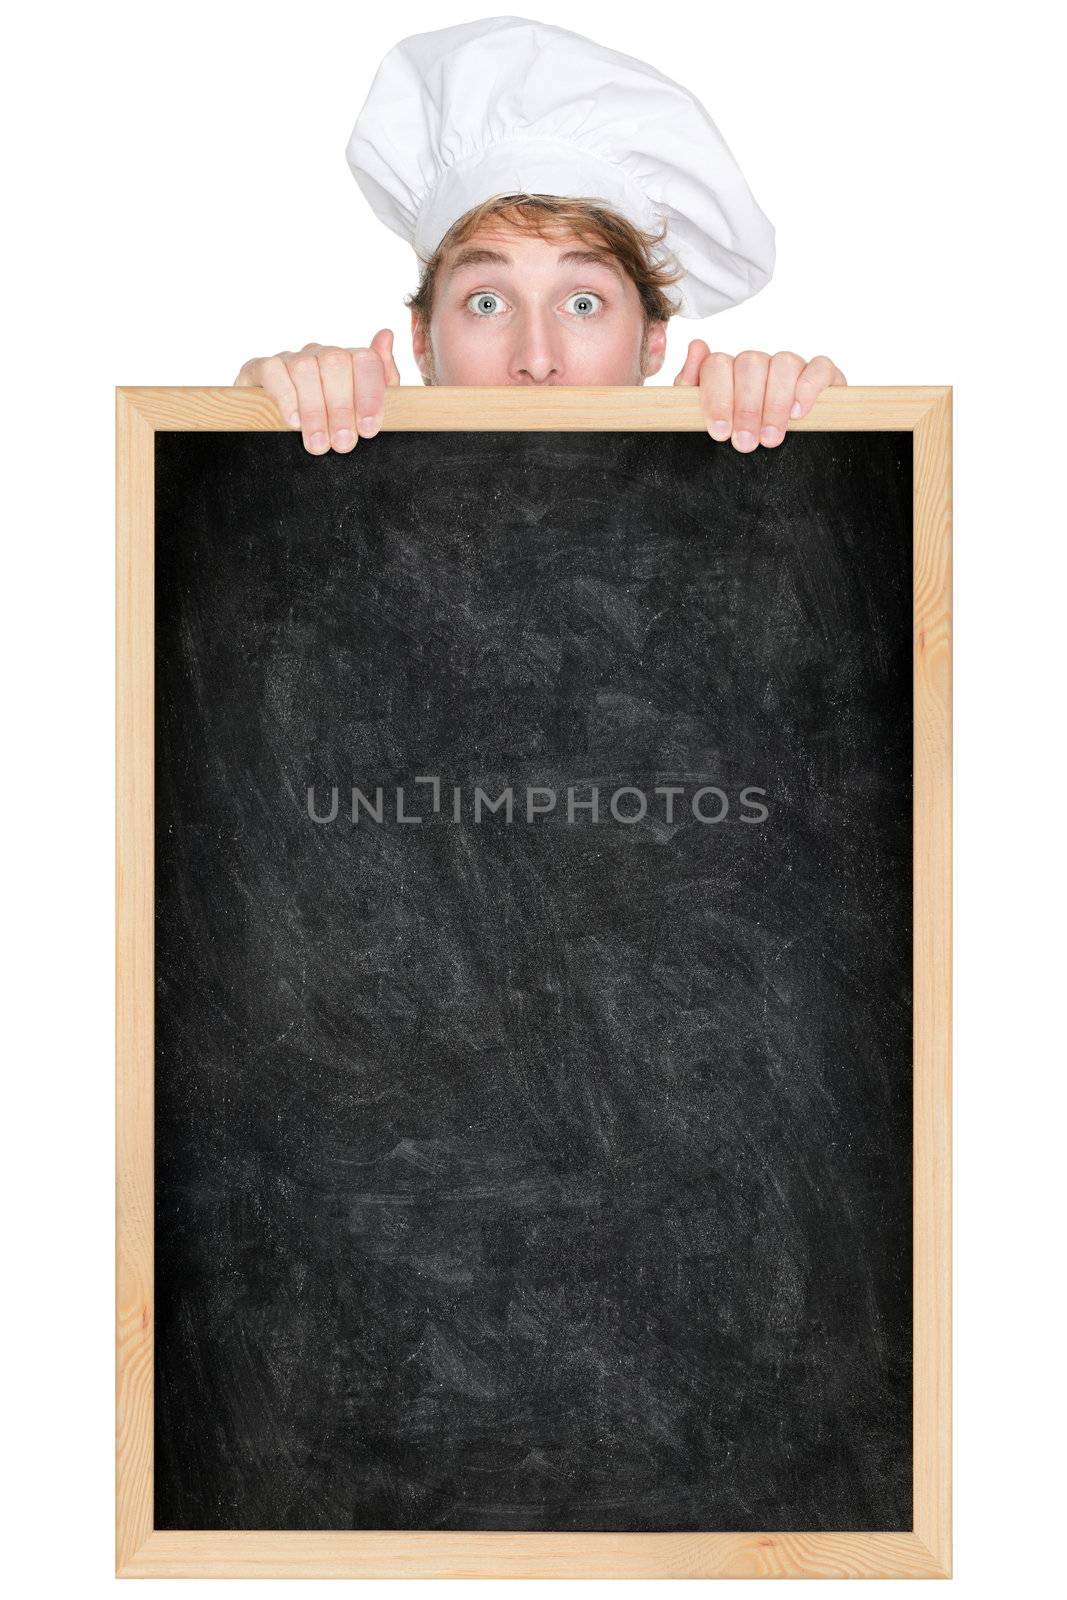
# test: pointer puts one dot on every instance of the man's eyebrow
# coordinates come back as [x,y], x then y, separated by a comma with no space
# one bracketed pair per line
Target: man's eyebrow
[590,258]
[478,256]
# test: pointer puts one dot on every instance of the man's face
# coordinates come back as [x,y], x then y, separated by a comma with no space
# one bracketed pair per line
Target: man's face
[511,308]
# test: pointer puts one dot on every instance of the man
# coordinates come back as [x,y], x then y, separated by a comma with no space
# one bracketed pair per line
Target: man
[554,192]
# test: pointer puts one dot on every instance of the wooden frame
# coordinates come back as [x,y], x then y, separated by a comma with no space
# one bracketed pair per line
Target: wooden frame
[142,1551]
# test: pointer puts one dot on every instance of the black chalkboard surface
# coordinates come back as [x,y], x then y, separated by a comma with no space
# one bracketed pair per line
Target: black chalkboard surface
[542,1170]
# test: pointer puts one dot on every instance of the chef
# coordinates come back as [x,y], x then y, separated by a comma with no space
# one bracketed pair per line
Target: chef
[563,202]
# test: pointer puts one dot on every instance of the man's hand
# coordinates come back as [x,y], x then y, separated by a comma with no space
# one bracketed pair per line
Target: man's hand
[751,397]
[326,392]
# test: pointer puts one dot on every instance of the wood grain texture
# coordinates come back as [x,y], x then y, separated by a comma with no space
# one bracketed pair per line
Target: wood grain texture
[141,1551]
[134,982]
[532,1555]
[933,979]
[656,410]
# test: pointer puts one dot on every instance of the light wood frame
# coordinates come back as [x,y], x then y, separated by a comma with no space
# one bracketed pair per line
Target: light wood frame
[143,1551]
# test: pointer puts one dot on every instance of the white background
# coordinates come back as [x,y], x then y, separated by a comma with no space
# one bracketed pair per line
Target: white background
[177,199]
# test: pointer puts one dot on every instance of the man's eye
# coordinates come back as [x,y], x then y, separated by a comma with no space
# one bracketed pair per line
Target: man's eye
[485,303]
[584,304]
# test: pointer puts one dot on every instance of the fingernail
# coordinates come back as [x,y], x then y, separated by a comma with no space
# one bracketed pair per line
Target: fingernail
[720,429]
[294,420]
[344,439]
[771,436]
[318,441]
[745,441]
[796,409]
[368,426]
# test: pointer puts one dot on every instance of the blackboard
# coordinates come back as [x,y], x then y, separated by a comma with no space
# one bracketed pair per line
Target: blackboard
[533,982]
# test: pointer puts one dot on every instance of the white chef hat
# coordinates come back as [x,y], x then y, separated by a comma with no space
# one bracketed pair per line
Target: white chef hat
[509,106]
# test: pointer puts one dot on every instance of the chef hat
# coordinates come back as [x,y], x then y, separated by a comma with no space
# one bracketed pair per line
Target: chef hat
[509,106]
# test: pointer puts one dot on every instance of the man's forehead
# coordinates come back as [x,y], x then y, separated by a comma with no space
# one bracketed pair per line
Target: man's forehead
[504,247]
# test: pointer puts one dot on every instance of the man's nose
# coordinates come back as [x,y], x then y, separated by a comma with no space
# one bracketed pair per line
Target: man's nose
[537,355]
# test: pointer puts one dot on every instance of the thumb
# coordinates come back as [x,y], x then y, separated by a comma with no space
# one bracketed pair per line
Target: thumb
[696,355]
[383,344]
